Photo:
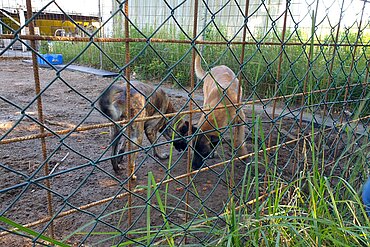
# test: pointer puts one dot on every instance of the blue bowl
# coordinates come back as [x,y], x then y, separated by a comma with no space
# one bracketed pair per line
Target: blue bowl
[366,196]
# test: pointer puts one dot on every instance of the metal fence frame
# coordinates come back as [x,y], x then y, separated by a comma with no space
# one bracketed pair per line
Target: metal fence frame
[130,190]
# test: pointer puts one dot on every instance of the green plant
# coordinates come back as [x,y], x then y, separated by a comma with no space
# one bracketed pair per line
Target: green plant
[171,62]
[20,228]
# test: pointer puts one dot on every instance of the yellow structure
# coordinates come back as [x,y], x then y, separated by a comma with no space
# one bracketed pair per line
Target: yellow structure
[53,24]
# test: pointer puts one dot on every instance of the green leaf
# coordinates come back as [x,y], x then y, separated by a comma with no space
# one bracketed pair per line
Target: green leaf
[31,232]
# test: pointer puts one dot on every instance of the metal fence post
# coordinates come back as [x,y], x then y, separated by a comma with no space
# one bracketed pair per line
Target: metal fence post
[40,114]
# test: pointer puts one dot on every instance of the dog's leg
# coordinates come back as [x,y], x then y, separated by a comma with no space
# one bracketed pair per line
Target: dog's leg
[213,145]
[136,140]
[151,129]
[115,138]
[122,148]
[240,134]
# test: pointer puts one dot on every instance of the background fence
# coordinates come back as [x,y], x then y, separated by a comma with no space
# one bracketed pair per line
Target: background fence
[304,68]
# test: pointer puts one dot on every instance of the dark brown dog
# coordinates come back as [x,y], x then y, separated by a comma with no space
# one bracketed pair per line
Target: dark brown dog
[220,88]
[145,102]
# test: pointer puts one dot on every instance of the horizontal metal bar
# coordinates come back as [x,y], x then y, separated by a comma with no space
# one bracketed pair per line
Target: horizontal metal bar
[144,119]
[175,41]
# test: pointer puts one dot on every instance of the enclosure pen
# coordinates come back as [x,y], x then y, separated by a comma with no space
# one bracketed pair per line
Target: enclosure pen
[82,82]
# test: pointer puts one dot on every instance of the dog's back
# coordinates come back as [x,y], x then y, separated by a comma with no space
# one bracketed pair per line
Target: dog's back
[113,100]
[219,77]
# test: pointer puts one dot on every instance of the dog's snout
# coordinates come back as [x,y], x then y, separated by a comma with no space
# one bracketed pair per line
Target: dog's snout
[180,145]
[196,165]
[197,161]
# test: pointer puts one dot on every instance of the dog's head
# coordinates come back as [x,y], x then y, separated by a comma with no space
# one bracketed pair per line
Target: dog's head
[203,147]
[182,130]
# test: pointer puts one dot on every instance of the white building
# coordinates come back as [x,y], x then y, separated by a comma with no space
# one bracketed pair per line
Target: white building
[173,14]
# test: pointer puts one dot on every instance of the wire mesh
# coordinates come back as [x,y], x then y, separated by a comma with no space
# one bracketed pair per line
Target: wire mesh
[303,68]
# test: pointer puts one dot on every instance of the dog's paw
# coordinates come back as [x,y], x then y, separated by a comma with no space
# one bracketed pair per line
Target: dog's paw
[213,155]
[242,150]
[133,177]
[116,168]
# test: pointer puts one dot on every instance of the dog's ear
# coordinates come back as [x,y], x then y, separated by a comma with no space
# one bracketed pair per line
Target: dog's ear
[184,128]
[214,140]
[193,128]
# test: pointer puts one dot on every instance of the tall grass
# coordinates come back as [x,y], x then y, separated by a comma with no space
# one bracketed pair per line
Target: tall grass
[314,208]
[29,233]
[325,215]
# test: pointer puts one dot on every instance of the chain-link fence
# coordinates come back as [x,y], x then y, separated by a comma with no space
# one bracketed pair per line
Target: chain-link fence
[273,150]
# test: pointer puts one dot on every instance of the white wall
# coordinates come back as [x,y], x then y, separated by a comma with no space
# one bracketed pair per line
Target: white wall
[154,12]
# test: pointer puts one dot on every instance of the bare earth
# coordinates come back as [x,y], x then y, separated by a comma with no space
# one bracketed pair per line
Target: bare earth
[81,179]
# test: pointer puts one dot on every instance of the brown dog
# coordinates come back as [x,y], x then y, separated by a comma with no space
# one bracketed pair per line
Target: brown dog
[145,102]
[220,88]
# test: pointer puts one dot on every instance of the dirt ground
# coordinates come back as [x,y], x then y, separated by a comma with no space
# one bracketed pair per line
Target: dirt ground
[68,98]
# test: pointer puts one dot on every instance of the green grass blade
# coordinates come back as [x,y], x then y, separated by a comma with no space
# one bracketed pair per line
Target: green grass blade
[162,208]
[31,232]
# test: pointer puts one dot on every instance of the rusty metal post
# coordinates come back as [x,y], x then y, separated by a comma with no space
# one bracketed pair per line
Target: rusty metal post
[349,75]
[330,78]
[240,78]
[246,12]
[278,75]
[40,113]
[365,86]
[192,83]
[130,162]
[353,57]
[310,54]
[365,83]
